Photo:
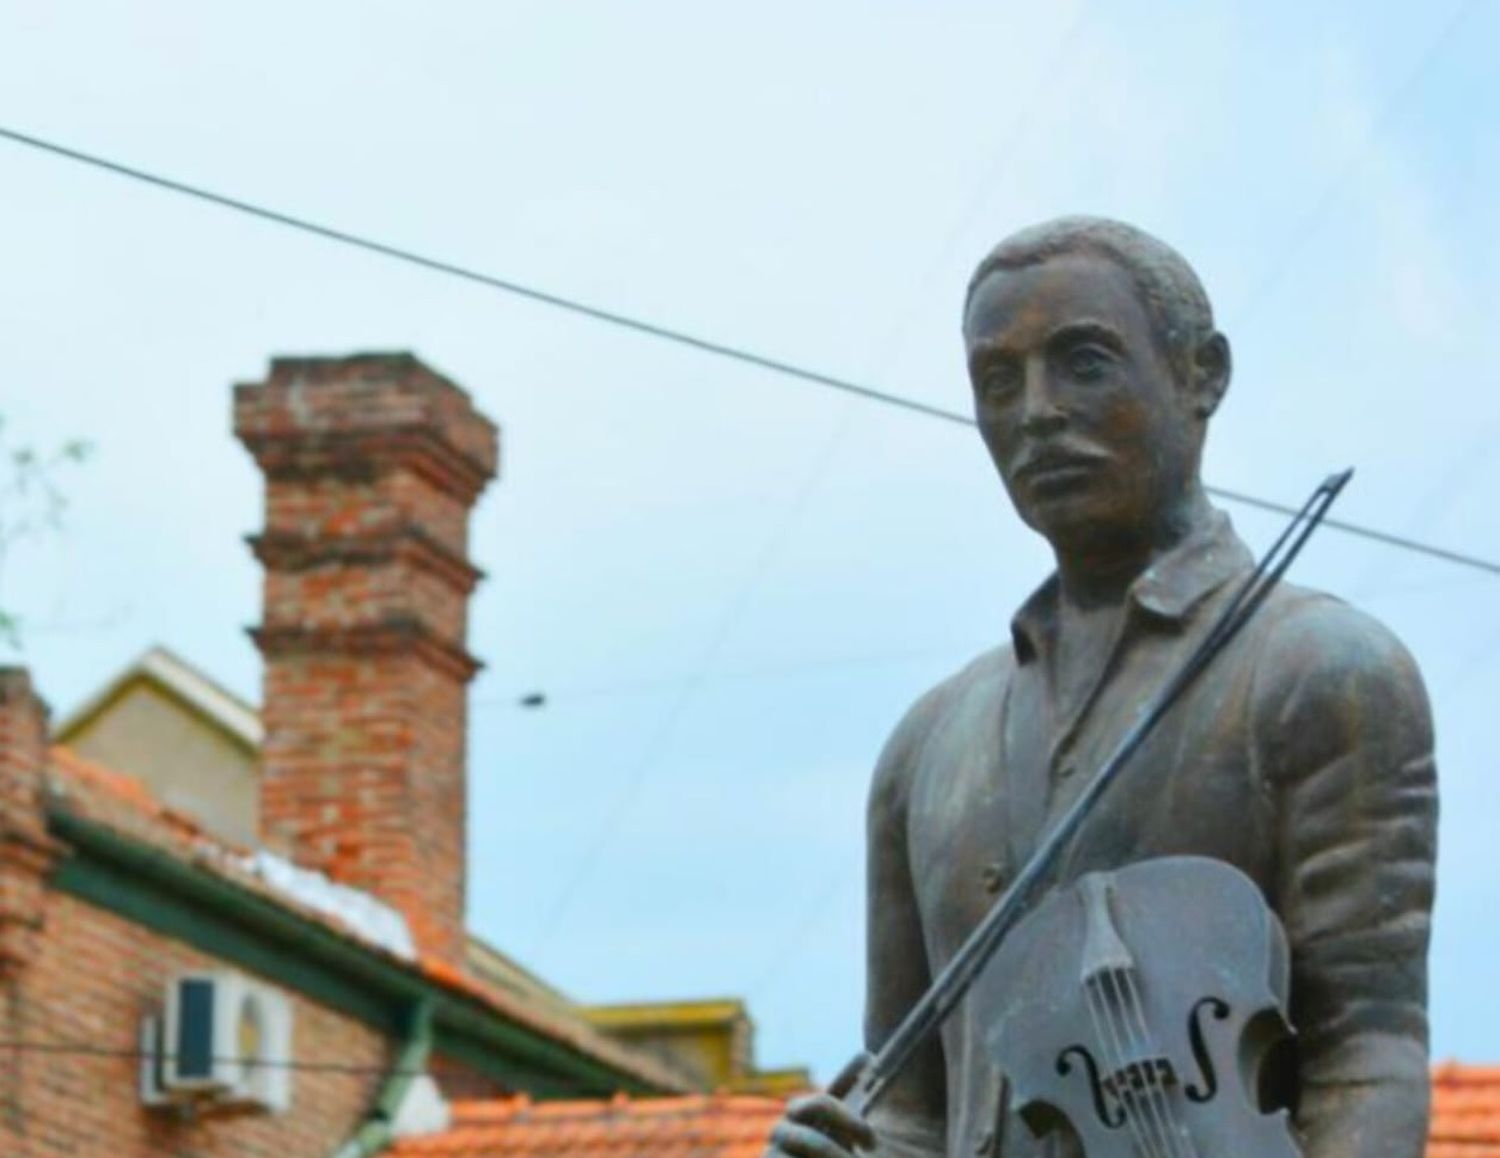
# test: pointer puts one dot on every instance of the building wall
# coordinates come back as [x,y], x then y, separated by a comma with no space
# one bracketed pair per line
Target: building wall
[187,762]
[707,1053]
[95,977]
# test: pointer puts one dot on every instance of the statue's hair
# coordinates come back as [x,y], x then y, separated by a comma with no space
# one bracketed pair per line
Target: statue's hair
[1173,296]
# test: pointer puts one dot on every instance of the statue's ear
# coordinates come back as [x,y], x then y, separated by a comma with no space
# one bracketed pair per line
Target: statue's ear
[1211,369]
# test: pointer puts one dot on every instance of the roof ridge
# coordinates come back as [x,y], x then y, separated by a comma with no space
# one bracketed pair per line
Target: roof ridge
[187,682]
[704,1125]
[1453,1072]
[643,1106]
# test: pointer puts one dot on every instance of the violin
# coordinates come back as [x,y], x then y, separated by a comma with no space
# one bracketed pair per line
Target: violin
[1141,1014]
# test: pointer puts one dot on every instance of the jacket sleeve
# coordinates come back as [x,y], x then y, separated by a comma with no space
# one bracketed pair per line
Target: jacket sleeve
[1343,734]
[910,1121]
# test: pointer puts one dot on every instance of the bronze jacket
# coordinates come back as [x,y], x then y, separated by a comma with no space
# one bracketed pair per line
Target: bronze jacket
[1303,756]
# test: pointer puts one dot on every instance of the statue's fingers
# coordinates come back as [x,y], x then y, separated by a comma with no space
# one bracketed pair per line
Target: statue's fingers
[826,1114]
[847,1076]
[798,1141]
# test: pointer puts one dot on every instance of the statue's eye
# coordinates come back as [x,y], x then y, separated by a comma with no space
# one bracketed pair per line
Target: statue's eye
[1000,380]
[1087,363]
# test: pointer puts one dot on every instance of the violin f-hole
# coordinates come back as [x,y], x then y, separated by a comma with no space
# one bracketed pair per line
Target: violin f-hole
[1096,1086]
[1208,1086]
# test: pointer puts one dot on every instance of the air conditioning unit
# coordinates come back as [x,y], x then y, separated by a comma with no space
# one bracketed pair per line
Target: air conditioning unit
[223,1039]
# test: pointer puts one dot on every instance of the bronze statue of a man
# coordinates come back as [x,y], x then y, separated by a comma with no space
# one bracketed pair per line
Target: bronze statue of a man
[1302,757]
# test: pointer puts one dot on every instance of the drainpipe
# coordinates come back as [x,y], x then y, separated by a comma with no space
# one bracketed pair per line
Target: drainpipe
[377,1131]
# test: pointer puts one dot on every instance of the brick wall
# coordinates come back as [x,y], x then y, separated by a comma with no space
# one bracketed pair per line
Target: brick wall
[27,853]
[94,978]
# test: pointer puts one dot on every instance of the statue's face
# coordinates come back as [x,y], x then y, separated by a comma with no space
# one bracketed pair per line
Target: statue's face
[1090,430]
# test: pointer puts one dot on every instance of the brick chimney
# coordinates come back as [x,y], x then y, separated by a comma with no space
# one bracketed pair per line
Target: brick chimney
[372,464]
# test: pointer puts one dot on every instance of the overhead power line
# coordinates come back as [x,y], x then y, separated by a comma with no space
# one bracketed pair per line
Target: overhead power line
[1309,223]
[641,326]
[505,285]
[539,698]
[82,1049]
[1365,532]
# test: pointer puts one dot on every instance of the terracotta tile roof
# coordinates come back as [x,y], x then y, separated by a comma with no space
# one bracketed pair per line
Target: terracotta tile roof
[1465,1124]
[705,1126]
[123,803]
[1465,1112]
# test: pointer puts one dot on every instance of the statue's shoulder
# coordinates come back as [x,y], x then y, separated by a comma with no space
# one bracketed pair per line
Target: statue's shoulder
[975,688]
[1305,630]
[1324,666]
[979,683]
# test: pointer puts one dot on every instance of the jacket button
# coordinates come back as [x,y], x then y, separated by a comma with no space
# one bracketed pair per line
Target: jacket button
[992,876]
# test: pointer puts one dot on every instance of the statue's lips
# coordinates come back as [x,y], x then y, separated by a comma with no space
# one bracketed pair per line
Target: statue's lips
[1053,470]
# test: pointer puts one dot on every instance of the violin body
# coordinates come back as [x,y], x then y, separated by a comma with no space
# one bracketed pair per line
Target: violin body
[1141,1015]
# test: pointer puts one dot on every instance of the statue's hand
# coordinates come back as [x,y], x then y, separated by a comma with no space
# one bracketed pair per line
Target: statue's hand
[821,1125]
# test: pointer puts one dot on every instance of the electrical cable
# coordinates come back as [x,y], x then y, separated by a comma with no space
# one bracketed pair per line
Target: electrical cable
[807,920]
[505,285]
[67,1049]
[1022,126]
[744,675]
[1004,155]
[1308,225]
[652,329]
[694,681]
[688,688]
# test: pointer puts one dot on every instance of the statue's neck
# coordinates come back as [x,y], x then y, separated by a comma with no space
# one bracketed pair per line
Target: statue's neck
[1099,570]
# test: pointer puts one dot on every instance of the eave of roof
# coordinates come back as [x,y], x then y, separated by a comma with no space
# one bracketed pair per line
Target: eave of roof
[133,856]
[503,971]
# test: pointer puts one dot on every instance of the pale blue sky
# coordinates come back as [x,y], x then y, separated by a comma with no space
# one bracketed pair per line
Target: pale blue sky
[732,584]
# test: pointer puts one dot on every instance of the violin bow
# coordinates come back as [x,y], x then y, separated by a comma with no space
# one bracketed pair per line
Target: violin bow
[867,1077]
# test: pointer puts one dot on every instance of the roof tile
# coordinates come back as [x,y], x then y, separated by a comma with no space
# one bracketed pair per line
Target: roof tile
[1465,1124]
[1465,1112]
[705,1126]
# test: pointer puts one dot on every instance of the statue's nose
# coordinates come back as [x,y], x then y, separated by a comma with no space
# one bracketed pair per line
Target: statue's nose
[1041,413]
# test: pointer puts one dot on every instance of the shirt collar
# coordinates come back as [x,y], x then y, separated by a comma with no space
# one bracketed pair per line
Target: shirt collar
[1168,590]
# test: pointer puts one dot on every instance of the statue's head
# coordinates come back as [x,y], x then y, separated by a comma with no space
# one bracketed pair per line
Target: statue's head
[1096,367]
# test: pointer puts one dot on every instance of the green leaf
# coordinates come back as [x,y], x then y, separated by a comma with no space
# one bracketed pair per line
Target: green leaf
[10,630]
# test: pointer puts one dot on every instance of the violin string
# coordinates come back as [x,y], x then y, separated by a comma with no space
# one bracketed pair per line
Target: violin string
[1147,1095]
[1112,1062]
[1179,1142]
[1182,1144]
[1159,1119]
[1110,1046]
